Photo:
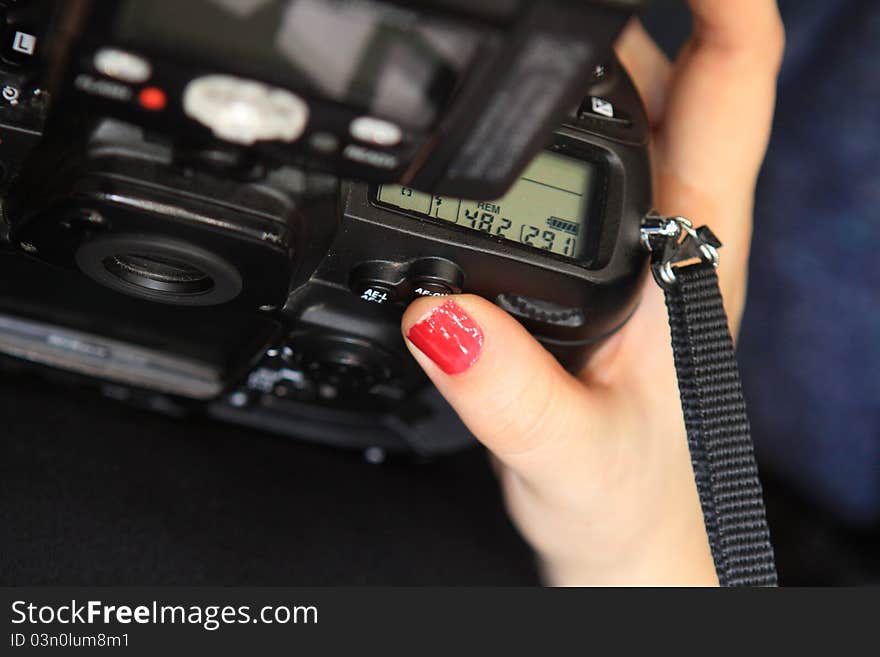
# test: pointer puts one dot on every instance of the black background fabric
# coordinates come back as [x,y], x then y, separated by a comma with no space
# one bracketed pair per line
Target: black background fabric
[97,493]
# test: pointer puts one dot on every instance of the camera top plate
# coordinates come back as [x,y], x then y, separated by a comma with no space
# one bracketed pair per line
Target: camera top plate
[442,96]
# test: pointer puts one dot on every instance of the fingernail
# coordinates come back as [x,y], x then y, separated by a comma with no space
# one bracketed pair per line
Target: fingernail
[449,337]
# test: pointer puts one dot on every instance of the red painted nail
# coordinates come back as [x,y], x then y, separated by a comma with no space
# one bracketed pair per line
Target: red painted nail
[449,337]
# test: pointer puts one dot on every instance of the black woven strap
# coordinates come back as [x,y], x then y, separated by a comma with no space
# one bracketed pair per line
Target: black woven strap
[718,430]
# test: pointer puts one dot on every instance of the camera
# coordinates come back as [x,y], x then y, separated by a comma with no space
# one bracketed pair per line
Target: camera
[222,207]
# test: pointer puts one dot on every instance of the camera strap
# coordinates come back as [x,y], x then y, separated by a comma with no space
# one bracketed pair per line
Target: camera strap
[683,263]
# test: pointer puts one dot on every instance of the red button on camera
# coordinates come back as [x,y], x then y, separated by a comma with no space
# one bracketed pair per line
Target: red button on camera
[152,98]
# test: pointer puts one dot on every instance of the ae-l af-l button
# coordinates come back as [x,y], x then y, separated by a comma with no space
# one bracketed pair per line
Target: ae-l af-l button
[376,292]
[376,281]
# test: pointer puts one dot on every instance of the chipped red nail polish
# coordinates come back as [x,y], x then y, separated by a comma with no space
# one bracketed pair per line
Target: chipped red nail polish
[449,337]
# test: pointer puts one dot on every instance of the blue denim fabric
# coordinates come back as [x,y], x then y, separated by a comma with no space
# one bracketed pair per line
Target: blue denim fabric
[810,343]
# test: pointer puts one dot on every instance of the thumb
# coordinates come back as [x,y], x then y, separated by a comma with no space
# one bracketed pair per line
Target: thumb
[510,392]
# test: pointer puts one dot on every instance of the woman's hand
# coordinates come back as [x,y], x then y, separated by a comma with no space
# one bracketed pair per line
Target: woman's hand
[595,469]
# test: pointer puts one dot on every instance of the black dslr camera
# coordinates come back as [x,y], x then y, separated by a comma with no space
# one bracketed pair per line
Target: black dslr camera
[223,206]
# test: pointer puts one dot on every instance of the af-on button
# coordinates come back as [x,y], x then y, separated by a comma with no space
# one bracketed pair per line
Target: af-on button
[431,289]
[435,277]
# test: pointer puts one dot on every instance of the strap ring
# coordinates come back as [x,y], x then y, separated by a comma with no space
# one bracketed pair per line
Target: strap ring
[674,243]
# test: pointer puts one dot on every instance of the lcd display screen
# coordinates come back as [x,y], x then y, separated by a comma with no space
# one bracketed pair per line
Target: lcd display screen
[547,208]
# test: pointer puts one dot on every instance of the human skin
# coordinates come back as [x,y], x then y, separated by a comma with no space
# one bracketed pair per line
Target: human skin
[595,468]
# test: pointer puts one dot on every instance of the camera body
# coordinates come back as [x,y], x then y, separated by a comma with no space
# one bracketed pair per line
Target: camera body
[193,228]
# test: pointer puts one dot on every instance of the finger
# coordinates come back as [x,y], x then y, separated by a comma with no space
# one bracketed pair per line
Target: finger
[510,392]
[737,26]
[648,67]
[717,125]
[718,115]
